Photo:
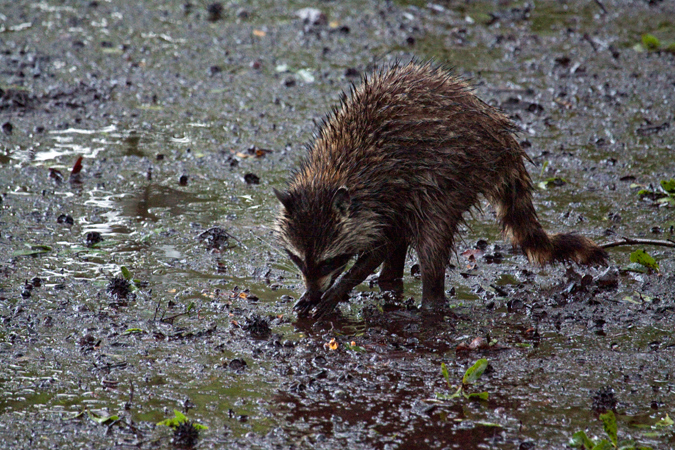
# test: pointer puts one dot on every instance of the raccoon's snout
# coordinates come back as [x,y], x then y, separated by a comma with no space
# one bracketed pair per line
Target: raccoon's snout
[314,292]
[316,287]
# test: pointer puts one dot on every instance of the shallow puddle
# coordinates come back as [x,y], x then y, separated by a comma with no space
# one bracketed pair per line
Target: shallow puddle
[186,118]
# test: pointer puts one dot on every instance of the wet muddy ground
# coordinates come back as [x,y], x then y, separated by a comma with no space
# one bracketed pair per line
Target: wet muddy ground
[187,114]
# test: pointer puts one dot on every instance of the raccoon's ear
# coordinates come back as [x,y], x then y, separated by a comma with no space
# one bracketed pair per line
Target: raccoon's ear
[285,199]
[342,201]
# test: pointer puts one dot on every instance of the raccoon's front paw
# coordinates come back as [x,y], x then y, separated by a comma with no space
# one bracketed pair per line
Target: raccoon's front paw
[329,301]
[305,305]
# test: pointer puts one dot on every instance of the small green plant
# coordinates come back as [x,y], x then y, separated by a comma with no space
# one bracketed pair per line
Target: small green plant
[179,419]
[663,196]
[581,440]
[650,42]
[126,274]
[471,375]
[642,261]
[549,182]
[552,182]
[33,249]
[185,432]
[355,348]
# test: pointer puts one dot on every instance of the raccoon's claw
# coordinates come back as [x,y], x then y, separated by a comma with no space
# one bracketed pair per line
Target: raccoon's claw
[304,305]
[328,302]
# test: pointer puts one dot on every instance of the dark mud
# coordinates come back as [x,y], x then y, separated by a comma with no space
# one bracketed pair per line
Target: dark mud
[187,116]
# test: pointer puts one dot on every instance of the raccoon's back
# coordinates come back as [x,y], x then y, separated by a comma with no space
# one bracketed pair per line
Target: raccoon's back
[406,125]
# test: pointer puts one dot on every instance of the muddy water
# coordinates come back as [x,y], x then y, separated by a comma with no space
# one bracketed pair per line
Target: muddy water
[177,113]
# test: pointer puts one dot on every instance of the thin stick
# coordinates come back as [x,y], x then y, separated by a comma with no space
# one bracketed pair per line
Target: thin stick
[602,7]
[159,302]
[631,241]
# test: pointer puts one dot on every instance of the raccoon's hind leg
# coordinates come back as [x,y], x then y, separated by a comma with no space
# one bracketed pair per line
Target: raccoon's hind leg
[339,291]
[512,199]
[391,275]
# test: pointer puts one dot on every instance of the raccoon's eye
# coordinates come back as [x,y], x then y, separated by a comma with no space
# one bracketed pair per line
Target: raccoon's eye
[332,264]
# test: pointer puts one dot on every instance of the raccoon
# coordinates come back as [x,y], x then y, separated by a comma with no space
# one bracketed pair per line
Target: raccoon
[396,165]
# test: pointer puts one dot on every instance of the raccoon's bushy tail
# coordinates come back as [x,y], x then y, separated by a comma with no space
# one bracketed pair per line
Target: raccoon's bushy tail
[512,200]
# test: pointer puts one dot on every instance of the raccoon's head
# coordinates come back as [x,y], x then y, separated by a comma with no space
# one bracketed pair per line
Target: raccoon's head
[321,230]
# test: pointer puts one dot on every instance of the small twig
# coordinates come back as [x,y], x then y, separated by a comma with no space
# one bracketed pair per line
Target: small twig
[631,241]
[159,302]
[602,7]
[588,38]
[170,319]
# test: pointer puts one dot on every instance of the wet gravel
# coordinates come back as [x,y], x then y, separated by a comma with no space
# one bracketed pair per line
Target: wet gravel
[149,280]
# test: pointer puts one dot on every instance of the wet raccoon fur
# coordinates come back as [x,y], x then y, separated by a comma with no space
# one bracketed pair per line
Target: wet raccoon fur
[396,165]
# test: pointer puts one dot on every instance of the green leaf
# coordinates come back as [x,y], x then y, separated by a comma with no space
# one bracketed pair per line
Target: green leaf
[603,445]
[199,426]
[650,42]
[667,199]
[37,251]
[642,257]
[102,420]
[78,415]
[543,168]
[579,439]
[125,273]
[488,424]
[474,372]
[355,348]
[133,331]
[478,395]
[175,421]
[179,416]
[444,371]
[611,428]
[665,422]
[668,185]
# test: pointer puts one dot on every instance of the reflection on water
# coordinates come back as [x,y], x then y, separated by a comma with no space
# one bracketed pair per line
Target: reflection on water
[170,251]
[86,143]
[108,129]
[64,146]
[131,145]
[122,207]
[155,196]
[114,221]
